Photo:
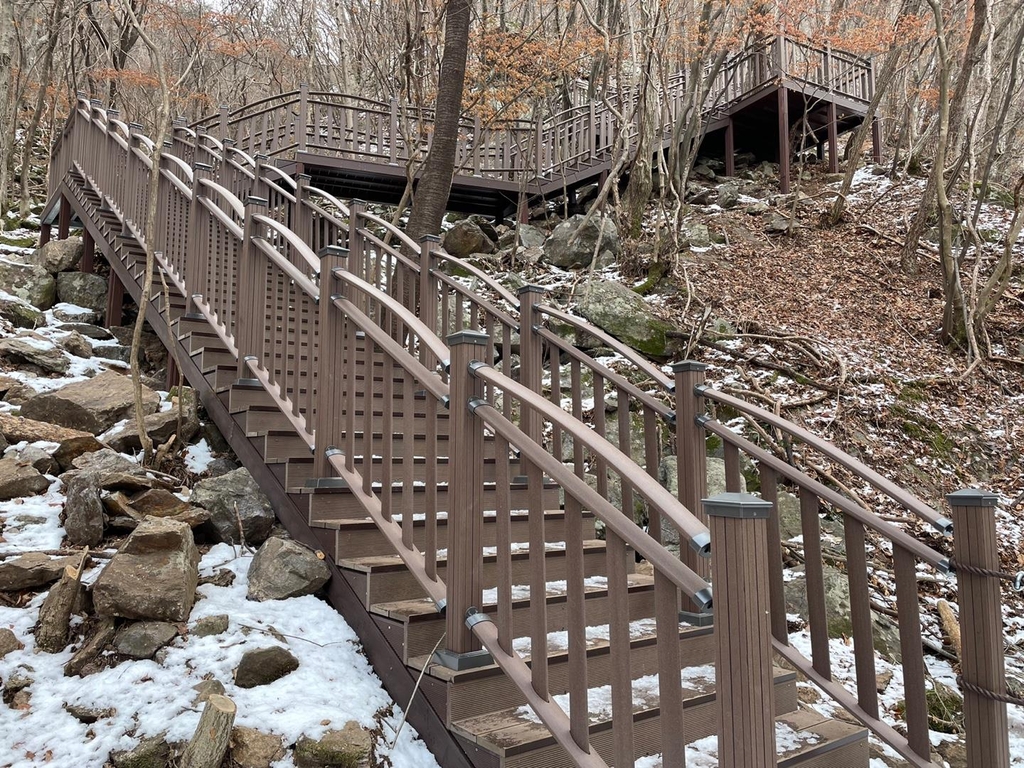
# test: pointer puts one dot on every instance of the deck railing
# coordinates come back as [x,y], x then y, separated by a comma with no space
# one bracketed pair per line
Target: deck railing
[334,312]
[549,147]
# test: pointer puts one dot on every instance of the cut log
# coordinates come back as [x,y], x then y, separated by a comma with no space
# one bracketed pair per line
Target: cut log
[209,743]
[951,625]
[102,634]
[55,612]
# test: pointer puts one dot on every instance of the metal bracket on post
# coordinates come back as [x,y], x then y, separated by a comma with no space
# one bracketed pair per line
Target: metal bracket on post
[473,659]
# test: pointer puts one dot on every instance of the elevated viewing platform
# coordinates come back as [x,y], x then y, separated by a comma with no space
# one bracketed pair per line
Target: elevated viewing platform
[351,146]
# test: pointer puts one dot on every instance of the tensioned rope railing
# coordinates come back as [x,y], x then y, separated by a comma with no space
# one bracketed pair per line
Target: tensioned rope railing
[313,300]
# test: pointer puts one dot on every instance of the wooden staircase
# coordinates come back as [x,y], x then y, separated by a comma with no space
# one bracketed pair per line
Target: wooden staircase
[461,533]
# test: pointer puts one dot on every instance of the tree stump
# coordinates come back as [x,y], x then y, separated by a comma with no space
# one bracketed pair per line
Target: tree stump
[209,743]
[55,612]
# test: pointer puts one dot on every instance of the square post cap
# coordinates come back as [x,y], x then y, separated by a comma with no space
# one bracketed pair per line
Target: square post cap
[477,338]
[530,288]
[332,250]
[686,366]
[739,505]
[972,497]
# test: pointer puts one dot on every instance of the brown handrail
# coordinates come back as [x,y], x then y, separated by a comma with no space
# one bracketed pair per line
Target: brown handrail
[905,499]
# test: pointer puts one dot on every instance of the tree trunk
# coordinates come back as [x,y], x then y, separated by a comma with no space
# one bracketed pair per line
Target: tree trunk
[431,197]
[209,744]
[55,612]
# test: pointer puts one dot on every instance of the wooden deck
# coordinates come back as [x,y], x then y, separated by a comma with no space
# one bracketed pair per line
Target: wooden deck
[356,147]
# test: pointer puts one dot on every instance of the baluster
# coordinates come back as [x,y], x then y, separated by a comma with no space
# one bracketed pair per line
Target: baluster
[653,465]
[618,626]
[814,579]
[733,477]
[303,118]
[666,616]
[776,590]
[387,430]
[860,615]
[408,455]
[248,330]
[911,653]
[430,452]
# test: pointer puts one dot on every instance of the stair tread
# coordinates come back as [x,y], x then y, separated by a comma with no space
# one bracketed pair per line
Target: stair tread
[423,609]
[518,729]
[381,563]
[420,520]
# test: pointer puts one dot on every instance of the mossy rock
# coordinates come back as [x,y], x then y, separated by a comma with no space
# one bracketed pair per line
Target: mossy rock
[347,748]
[150,753]
[18,242]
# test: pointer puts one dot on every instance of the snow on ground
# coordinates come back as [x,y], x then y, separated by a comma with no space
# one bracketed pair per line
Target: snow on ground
[333,684]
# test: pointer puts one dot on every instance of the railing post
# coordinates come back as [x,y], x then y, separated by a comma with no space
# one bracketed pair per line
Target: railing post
[356,250]
[258,186]
[197,277]
[302,222]
[691,465]
[428,285]
[465,517]
[224,117]
[981,627]
[393,132]
[303,119]
[248,328]
[531,352]
[330,359]
[743,650]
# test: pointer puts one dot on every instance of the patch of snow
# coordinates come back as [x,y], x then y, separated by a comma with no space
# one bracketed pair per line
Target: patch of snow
[198,457]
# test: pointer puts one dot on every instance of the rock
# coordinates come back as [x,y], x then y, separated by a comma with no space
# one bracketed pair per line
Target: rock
[9,642]
[75,344]
[283,568]
[150,753]
[35,351]
[71,448]
[252,749]
[83,290]
[222,578]
[702,171]
[21,314]
[466,238]
[88,715]
[86,329]
[572,244]
[529,237]
[143,639]
[211,625]
[159,426]
[697,235]
[158,502]
[58,255]
[153,576]
[221,466]
[20,394]
[945,708]
[263,666]
[29,283]
[728,196]
[222,495]
[32,570]
[113,352]
[668,476]
[347,748]
[20,479]
[83,509]
[206,689]
[39,459]
[73,314]
[93,405]
[624,314]
[776,222]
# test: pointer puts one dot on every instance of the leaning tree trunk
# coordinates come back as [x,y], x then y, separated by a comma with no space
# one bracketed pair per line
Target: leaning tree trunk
[435,182]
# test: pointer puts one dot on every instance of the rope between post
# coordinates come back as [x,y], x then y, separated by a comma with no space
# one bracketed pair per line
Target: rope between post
[1016,578]
[985,693]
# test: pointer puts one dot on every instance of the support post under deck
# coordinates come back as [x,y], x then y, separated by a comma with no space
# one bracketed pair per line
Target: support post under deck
[783,96]
[88,252]
[64,221]
[833,139]
[730,148]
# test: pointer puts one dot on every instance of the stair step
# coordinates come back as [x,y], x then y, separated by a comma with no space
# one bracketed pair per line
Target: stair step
[214,357]
[384,578]
[340,504]
[414,626]
[299,470]
[518,739]
[487,689]
[347,538]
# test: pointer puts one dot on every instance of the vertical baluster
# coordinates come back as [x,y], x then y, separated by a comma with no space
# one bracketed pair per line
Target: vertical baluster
[430,452]
[248,332]
[860,615]
[428,290]
[600,462]
[653,465]
[408,455]
[366,358]
[776,590]
[618,625]
[666,615]
[733,478]
[815,582]
[387,430]
[911,654]
[503,540]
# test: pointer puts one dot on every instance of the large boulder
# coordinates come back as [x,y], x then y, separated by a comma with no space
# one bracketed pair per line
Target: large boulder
[21,314]
[347,748]
[253,749]
[153,576]
[572,243]
[58,255]
[624,314]
[83,509]
[283,568]
[32,570]
[94,405]
[18,478]
[35,351]
[528,237]
[235,497]
[29,283]
[83,290]
[466,238]
[142,639]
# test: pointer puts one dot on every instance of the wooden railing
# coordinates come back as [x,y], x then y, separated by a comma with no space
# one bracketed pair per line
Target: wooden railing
[311,296]
[395,133]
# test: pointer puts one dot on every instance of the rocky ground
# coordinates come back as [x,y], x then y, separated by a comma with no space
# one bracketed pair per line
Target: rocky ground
[136,601]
